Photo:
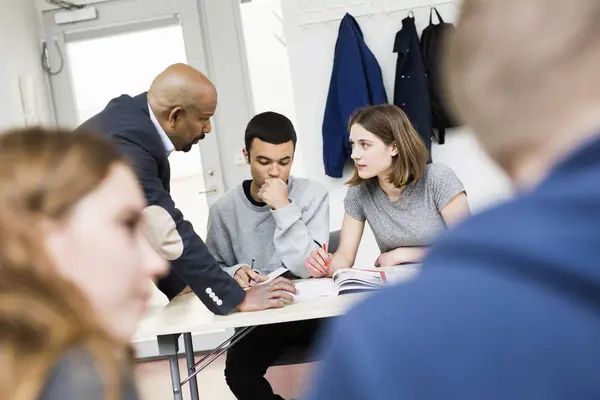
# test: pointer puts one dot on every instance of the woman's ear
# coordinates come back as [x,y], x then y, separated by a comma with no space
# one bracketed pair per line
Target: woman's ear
[47,226]
[394,150]
[54,238]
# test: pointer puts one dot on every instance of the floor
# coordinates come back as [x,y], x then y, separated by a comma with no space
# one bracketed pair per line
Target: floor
[154,380]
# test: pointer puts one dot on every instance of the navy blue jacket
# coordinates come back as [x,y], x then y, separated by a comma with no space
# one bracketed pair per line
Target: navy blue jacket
[127,121]
[411,92]
[506,307]
[356,82]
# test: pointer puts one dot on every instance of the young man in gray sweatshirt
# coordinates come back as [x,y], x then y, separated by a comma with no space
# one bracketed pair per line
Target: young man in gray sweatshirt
[268,222]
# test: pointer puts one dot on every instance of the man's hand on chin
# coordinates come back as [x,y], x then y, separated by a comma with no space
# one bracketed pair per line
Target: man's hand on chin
[274,192]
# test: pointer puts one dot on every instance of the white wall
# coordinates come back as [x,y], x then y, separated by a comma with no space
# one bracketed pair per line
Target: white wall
[20,53]
[268,62]
[311,45]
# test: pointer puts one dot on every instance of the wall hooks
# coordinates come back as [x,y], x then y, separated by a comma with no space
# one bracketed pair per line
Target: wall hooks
[368,14]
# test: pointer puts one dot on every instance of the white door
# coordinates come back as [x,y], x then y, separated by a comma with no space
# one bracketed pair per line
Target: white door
[120,52]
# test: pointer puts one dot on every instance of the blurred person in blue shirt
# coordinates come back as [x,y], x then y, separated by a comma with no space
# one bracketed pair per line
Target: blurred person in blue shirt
[507,305]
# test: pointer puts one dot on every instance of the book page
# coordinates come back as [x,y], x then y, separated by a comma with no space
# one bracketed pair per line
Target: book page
[315,288]
[369,277]
[350,280]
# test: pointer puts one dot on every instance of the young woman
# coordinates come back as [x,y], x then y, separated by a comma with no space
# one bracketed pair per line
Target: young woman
[75,267]
[406,201]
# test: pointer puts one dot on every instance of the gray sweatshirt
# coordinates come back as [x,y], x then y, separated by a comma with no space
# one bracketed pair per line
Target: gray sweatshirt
[239,231]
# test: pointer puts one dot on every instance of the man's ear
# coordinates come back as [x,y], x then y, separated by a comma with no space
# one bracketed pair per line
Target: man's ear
[174,116]
[246,155]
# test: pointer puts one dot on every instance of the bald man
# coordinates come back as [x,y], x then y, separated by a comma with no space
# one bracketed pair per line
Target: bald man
[507,306]
[172,116]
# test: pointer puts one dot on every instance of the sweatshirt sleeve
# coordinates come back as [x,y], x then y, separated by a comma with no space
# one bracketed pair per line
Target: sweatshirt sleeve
[219,243]
[299,225]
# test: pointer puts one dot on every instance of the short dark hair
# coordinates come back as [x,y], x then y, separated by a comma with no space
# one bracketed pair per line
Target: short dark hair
[270,127]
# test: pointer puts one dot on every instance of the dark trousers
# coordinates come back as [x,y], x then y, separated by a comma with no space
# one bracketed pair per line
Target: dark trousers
[248,360]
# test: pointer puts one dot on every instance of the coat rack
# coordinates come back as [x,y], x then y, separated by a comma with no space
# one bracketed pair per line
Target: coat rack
[363,9]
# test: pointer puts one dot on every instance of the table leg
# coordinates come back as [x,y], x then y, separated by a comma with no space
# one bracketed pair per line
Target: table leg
[189,356]
[168,345]
[175,378]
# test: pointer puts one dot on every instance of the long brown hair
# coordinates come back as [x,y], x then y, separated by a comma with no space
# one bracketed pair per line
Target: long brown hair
[390,124]
[42,315]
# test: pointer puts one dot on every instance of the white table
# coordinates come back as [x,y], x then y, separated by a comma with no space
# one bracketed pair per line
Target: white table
[186,315]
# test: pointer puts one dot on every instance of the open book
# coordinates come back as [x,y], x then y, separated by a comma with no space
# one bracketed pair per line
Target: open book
[345,280]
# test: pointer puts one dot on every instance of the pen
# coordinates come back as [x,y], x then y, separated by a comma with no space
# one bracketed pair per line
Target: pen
[324,247]
[252,268]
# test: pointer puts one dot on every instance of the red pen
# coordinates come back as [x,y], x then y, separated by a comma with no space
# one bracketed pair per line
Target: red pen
[324,247]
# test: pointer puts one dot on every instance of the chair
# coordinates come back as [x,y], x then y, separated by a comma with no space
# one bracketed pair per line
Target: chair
[300,354]
[334,241]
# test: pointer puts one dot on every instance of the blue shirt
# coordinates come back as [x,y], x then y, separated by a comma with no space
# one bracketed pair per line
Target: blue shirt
[506,307]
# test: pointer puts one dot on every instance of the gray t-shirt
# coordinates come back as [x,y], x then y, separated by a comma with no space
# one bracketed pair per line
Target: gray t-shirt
[414,219]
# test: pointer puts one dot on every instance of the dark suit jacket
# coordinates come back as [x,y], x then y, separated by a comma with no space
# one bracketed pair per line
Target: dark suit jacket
[127,122]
